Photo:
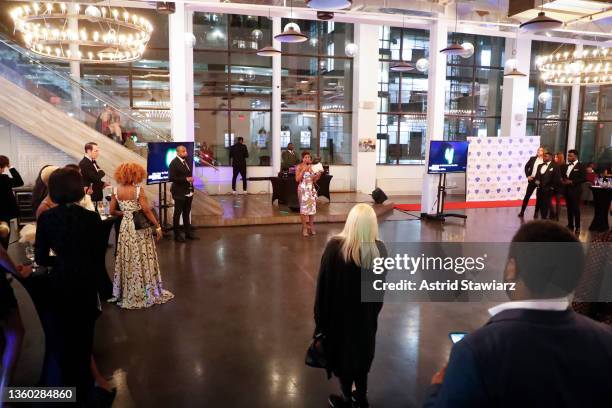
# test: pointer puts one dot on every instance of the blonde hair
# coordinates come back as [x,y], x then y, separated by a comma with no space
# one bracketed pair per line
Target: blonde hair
[359,236]
[130,173]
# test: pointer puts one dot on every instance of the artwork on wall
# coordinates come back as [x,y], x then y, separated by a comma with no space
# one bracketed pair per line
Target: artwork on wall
[367,144]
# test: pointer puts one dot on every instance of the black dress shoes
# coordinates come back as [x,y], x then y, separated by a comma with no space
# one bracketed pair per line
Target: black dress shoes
[179,238]
[336,401]
[193,238]
[521,214]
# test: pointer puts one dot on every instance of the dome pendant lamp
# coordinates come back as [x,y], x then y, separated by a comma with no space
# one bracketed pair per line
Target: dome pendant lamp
[291,33]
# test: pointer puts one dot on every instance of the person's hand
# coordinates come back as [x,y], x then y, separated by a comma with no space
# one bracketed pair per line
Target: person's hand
[107,184]
[190,179]
[88,190]
[530,178]
[24,270]
[438,378]
[158,233]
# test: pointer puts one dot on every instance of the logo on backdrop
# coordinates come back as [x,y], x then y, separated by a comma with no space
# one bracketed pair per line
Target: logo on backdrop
[495,169]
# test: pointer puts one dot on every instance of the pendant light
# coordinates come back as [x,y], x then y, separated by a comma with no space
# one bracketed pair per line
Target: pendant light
[455,48]
[541,23]
[291,33]
[268,51]
[514,73]
[329,4]
[402,66]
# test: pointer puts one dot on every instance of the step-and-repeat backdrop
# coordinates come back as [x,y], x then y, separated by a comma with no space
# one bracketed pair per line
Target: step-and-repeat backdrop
[495,168]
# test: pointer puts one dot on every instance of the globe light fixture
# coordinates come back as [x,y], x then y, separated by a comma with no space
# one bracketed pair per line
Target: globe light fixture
[350,49]
[544,97]
[468,50]
[422,65]
[329,4]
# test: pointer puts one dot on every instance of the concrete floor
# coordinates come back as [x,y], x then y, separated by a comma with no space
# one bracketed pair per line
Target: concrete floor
[236,333]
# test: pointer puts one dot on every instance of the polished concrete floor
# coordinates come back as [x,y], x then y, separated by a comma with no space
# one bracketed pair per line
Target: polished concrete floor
[236,333]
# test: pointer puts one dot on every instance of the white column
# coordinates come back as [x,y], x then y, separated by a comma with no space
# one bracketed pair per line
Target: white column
[75,66]
[365,97]
[276,99]
[181,73]
[573,113]
[516,90]
[435,106]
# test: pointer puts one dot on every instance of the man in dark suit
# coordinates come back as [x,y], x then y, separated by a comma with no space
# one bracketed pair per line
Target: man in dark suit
[534,351]
[547,179]
[530,172]
[92,174]
[573,175]
[238,154]
[289,158]
[180,174]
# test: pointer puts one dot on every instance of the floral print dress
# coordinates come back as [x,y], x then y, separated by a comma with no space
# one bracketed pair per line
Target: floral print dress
[307,194]
[137,282]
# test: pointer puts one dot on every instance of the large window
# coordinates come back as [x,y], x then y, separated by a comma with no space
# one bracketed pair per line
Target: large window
[474,88]
[232,85]
[594,133]
[402,97]
[547,106]
[316,82]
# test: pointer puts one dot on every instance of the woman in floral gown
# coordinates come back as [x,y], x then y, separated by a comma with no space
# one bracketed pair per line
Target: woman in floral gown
[137,282]
[307,194]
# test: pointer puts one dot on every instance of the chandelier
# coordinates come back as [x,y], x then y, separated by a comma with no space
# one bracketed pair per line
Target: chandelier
[88,34]
[588,67]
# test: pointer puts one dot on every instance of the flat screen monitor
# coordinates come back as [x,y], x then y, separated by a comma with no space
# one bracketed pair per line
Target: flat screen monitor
[447,157]
[159,158]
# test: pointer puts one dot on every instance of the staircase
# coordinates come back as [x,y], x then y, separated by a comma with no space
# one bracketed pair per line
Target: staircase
[63,123]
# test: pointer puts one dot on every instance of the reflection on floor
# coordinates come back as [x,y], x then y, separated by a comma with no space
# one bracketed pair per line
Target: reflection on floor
[236,333]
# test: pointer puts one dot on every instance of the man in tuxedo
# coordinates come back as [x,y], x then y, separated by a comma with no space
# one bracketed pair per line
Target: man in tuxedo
[573,175]
[289,157]
[531,168]
[547,179]
[238,154]
[534,351]
[181,175]
[92,174]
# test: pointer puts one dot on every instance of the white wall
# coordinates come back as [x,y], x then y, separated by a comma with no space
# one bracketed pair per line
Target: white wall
[28,153]
[408,180]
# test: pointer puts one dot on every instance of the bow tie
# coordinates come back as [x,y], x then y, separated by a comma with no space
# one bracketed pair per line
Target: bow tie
[571,163]
[94,162]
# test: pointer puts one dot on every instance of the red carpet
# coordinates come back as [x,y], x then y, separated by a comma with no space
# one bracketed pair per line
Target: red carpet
[462,205]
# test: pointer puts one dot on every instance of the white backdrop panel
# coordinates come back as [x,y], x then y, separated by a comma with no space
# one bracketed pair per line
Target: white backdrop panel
[495,169]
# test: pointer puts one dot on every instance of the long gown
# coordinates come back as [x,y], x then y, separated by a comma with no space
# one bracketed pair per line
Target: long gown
[307,194]
[137,282]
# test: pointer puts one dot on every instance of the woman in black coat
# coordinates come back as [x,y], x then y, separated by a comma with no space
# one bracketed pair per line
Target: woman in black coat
[346,324]
[8,202]
[75,236]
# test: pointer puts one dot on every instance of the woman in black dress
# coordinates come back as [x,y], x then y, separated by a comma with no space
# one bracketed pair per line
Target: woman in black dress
[348,326]
[8,202]
[75,236]
[11,327]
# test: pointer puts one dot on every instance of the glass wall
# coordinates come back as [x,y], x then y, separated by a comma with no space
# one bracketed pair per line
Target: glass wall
[316,99]
[594,133]
[402,96]
[232,85]
[474,88]
[548,106]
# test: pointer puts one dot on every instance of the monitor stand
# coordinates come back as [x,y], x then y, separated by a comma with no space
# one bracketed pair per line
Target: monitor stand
[440,214]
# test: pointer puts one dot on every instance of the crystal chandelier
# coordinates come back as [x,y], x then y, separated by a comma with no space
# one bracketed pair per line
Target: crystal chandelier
[588,67]
[88,34]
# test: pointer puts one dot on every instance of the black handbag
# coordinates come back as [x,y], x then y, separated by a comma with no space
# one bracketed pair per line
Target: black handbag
[315,355]
[141,221]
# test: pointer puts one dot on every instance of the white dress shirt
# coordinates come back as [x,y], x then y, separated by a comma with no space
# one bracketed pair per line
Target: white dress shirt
[570,167]
[538,161]
[558,304]
[544,168]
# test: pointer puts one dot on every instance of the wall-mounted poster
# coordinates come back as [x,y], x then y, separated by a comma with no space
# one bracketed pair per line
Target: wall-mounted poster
[305,139]
[367,144]
[323,140]
[285,138]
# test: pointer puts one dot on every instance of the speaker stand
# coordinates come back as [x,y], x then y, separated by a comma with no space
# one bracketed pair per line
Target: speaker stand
[440,214]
